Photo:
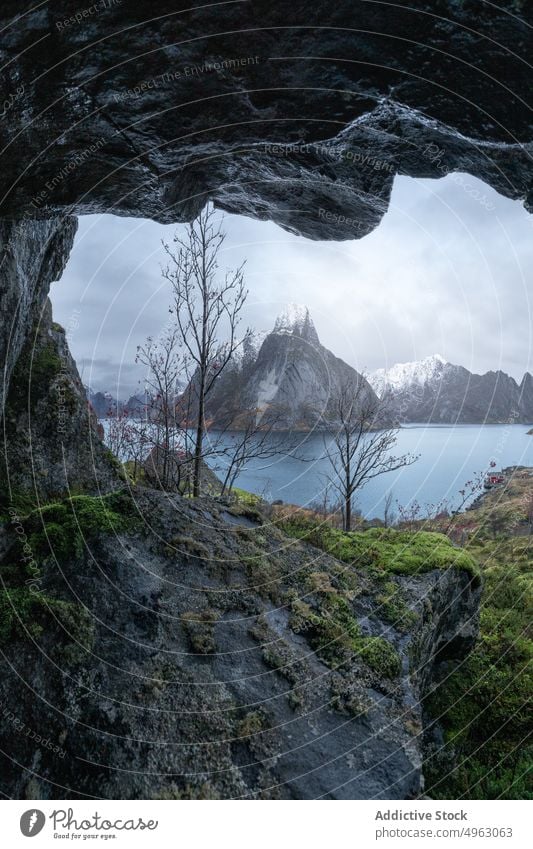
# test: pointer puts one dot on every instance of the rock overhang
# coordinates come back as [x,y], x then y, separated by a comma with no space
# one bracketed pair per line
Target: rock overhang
[301,115]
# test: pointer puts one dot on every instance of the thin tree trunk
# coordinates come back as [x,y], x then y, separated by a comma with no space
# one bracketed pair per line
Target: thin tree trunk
[348,514]
[348,508]
[198,451]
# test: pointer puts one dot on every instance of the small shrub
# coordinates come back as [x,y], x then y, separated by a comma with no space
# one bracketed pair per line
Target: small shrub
[183,544]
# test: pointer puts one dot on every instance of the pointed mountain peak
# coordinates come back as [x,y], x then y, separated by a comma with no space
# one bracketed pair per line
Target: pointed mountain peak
[296,321]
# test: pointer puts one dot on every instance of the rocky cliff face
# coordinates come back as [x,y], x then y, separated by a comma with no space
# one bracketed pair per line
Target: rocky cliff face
[32,255]
[526,397]
[296,113]
[199,652]
[50,443]
[433,390]
[291,381]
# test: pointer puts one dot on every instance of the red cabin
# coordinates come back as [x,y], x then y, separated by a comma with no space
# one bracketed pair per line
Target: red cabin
[493,480]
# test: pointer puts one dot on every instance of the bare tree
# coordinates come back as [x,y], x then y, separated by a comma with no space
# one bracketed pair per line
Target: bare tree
[252,441]
[358,445]
[388,513]
[204,308]
[164,365]
[117,434]
[140,441]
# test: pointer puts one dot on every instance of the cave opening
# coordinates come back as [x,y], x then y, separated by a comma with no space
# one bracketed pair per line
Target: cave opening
[443,280]
[161,646]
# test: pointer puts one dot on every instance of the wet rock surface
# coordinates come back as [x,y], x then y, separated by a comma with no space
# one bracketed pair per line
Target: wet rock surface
[50,444]
[191,677]
[32,255]
[300,114]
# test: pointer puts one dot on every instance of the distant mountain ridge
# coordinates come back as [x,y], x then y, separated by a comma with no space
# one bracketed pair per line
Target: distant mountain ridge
[435,391]
[290,374]
[102,403]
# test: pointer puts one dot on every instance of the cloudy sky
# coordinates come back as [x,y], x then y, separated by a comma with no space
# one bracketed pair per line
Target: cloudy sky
[448,271]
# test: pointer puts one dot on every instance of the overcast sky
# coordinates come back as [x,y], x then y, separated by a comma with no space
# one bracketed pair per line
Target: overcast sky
[448,271]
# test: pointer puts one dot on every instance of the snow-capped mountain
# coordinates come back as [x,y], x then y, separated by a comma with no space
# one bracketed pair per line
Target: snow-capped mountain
[248,349]
[103,403]
[292,378]
[434,390]
[402,375]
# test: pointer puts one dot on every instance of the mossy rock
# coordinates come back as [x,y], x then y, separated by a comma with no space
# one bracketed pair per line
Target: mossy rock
[36,368]
[331,629]
[393,609]
[385,550]
[380,656]
[24,612]
[61,529]
[483,706]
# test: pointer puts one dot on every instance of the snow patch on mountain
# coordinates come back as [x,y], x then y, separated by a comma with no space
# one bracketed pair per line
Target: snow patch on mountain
[293,317]
[267,389]
[295,320]
[247,349]
[402,375]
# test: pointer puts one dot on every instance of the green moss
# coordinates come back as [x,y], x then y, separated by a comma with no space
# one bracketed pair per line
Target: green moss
[393,608]
[264,575]
[385,550]
[23,612]
[272,658]
[77,626]
[252,723]
[183,544]
[380,656]
[244,497]
[43,367]
[334,633]
[19,610]
[331,631]
[61,529]
[484,706]
[199,627]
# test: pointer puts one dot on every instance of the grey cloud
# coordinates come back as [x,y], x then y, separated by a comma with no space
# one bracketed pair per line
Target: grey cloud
[443,273]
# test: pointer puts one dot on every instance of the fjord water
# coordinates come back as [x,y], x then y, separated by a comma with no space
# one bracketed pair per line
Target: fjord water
[449,456]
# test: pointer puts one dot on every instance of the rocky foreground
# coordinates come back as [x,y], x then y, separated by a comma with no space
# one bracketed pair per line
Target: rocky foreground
[166,648]
[156,646]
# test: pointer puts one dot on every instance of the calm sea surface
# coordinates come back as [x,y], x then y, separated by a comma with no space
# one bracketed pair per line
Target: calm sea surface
[449,456]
